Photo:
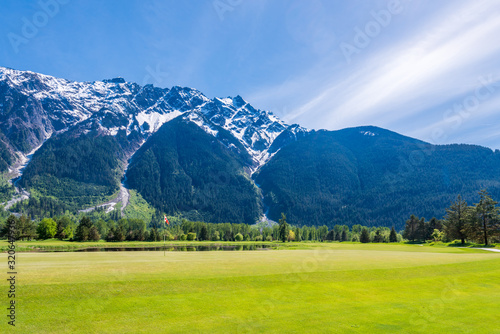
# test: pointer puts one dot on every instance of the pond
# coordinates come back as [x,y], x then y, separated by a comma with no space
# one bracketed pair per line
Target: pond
[180,248]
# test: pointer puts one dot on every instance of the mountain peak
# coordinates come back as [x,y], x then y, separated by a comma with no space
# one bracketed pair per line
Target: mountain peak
[238,101]
[118,105]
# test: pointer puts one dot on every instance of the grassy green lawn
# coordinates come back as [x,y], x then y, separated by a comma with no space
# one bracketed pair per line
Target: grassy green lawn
[328,288]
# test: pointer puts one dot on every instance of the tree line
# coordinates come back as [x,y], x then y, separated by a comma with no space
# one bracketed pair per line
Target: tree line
[479,223]
[95,229]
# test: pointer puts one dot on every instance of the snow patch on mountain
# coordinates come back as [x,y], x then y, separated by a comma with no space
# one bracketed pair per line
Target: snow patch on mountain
[368,133]
[155,119]
[198,120]
[256,129]
[119,105]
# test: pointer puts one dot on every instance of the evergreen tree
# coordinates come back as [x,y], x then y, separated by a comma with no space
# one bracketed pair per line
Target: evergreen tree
[204,233]
[330,236]
[94,234]
[111,235]
[411,228]
[65,228]
[83,229]
[120,234]
[365,235]
[421,230]
[10,224]
[344,235]
[456,219]
[393,237]
[485,219]
[283,228]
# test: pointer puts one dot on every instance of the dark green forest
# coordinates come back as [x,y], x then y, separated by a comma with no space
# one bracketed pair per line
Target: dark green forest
[478,223]
[6,158]
[184,171]
[375,179]
[75,171]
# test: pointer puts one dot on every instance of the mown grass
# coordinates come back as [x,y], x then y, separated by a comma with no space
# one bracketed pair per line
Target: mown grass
[328,288]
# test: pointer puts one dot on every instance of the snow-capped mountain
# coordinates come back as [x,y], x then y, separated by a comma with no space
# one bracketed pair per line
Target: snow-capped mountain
[37,106]
[185,154]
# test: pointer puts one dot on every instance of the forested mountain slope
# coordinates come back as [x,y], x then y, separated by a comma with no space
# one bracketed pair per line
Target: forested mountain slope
[184,170]
[372,176]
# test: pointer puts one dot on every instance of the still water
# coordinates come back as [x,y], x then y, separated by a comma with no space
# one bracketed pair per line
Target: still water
[179,248]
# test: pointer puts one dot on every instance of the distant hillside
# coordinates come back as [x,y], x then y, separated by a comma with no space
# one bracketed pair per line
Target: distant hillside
[372,176]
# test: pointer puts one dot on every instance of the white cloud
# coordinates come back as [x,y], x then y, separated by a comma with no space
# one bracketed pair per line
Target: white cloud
[436,64]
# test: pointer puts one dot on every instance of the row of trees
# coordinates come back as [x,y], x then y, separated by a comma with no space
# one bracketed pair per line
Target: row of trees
[87,229]
[417,229]
[477,223]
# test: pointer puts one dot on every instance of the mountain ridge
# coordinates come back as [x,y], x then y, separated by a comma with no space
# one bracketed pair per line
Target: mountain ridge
[355,175]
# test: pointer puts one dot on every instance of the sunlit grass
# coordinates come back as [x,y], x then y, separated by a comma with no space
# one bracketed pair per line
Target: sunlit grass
[328,288]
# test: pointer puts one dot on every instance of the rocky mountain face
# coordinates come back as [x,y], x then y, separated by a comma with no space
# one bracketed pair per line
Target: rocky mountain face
[33,107]
[69,117]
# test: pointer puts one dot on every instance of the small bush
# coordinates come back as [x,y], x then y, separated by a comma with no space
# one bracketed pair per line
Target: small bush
[269,238]
[191,236]
[238,237]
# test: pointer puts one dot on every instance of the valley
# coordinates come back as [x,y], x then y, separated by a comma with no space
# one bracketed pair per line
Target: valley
[14,175]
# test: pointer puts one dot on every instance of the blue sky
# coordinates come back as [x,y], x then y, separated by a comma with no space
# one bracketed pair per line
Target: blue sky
[426,69]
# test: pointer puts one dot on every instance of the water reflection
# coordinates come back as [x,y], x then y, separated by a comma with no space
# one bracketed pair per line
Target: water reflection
[180,248]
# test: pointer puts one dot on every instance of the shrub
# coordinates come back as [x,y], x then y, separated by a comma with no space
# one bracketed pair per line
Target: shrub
[269,238]
[437,235]
[191,236]
[169,236]
[238,237]
[182,237]
[259,238]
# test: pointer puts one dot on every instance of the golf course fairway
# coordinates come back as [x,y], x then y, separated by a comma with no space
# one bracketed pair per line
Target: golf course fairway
[323,288]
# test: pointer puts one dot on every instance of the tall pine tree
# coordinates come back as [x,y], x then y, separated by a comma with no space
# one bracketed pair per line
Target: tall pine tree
[455,220]
[283,228]
[485,219]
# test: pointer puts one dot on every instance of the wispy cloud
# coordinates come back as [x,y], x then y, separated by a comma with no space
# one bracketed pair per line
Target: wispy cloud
[439,62]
